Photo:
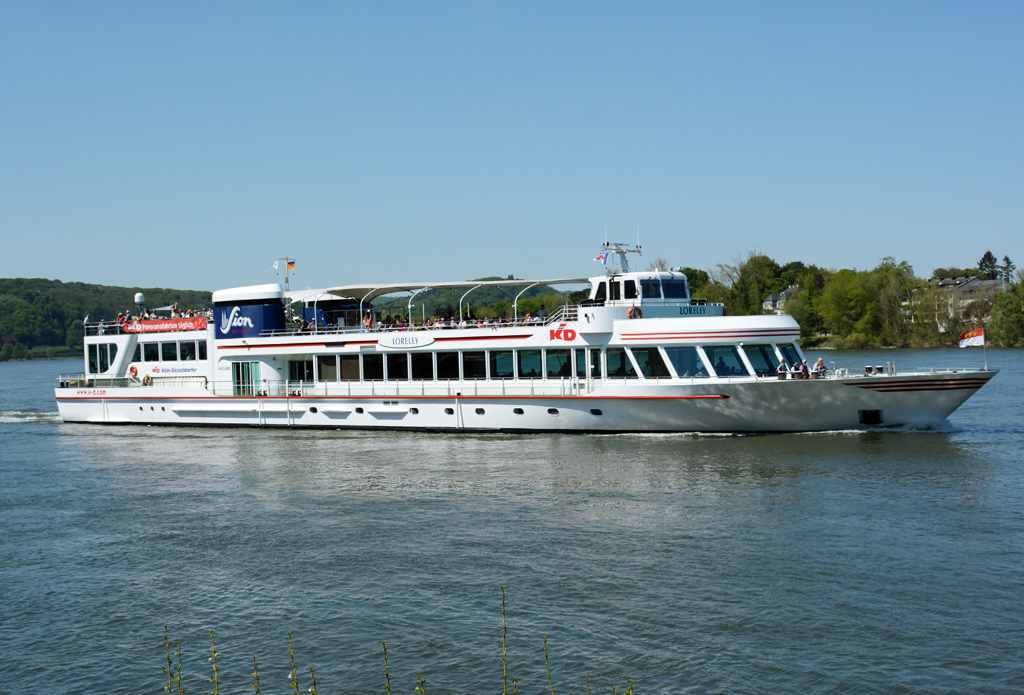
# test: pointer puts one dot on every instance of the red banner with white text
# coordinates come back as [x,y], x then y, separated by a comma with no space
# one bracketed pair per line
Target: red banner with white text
[196,323]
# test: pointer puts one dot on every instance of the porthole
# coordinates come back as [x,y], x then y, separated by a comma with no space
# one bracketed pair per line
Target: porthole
[449,411]
[517,411]
[359,410]
[414,411]
[553,411]
[479,411]
[163,409]
[140,407]
[312,409]
[150,407]
[596,411]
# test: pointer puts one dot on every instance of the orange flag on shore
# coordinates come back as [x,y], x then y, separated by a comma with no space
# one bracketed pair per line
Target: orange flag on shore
[975,337]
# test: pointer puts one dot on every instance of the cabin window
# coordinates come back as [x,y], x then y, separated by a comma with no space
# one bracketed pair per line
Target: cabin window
[348,367]
[619,366]
[629,289]
[650,362]
[398,366]
[602,292]
[502,364]
[789,351]
[474,365]
[762,358]
[448,366]
[151,352]
[581,363]
[529,364]
[202,349]
[674,289]
[687,362]
[300,370]
[650,289]
[187,351]
[559,363]
[94,360]
[616,289]
[595,363]
[725,360]
[423,366]
[169,352]
[373,367]
[137,357]
[327,367]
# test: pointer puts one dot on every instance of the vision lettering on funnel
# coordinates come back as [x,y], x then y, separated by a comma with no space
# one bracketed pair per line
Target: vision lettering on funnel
[226,321]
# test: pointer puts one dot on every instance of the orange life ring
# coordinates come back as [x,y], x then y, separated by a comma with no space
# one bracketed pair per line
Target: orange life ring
[635,313]
[133,371]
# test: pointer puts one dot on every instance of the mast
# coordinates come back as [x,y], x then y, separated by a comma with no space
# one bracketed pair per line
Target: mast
[612,248]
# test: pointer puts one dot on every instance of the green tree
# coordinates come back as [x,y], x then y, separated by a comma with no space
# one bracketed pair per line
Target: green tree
[1006,325]
[1006,270]
[846,302]
[989,266]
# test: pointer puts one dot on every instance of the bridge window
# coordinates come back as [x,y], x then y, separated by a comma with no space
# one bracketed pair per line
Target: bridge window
[448,365]
[725,360]
[559,364]
[687,362]
[327,367]
[762,359]
[502,364]
[651,364]
[650,289]
[529,364]
[789,351]
[629,289]
[616,288]
[619,365]
[674,289]
[398,366]
[602,292]
[151,352]
[169,352]
[373,367]
[423,366]
[474,365]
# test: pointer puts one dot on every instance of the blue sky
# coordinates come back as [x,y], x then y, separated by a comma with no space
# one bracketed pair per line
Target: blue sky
[189,145]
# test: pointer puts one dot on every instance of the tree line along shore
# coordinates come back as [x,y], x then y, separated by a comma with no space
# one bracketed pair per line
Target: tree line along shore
[886,306]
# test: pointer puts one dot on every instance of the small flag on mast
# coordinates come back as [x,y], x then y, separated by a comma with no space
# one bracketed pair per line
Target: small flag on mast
[973,338]
[603,258]
[291,265]
[274,264]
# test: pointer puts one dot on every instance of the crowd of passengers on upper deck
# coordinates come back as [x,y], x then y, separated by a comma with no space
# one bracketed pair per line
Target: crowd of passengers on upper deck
[404,323]
[126,318]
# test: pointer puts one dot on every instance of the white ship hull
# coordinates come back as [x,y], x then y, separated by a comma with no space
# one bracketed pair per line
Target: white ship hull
[761,405]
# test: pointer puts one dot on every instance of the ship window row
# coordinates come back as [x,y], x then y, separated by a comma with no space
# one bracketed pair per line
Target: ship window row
[683,361]
[170,351]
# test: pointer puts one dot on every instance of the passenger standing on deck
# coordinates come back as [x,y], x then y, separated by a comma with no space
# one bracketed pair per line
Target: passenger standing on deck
[782,369]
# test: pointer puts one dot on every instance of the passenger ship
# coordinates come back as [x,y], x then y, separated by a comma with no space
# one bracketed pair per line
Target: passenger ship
[639,355]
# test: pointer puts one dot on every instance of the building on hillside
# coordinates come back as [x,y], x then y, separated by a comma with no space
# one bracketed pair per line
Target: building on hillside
[777,300]
[959,293]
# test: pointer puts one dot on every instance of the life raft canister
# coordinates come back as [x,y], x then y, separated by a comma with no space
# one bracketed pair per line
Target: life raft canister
[133,371]
[634,312]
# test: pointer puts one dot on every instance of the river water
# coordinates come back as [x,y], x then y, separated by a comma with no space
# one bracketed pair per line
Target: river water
[869,562]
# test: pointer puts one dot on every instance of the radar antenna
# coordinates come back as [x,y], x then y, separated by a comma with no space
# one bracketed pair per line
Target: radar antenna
[612,248]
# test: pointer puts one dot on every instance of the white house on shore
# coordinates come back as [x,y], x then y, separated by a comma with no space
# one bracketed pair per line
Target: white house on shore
[777,300]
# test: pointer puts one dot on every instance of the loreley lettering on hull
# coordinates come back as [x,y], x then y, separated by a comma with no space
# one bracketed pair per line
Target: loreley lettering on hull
[401,341]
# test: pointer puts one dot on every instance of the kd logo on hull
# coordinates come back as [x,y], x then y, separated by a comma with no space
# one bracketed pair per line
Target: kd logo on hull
[562,333]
